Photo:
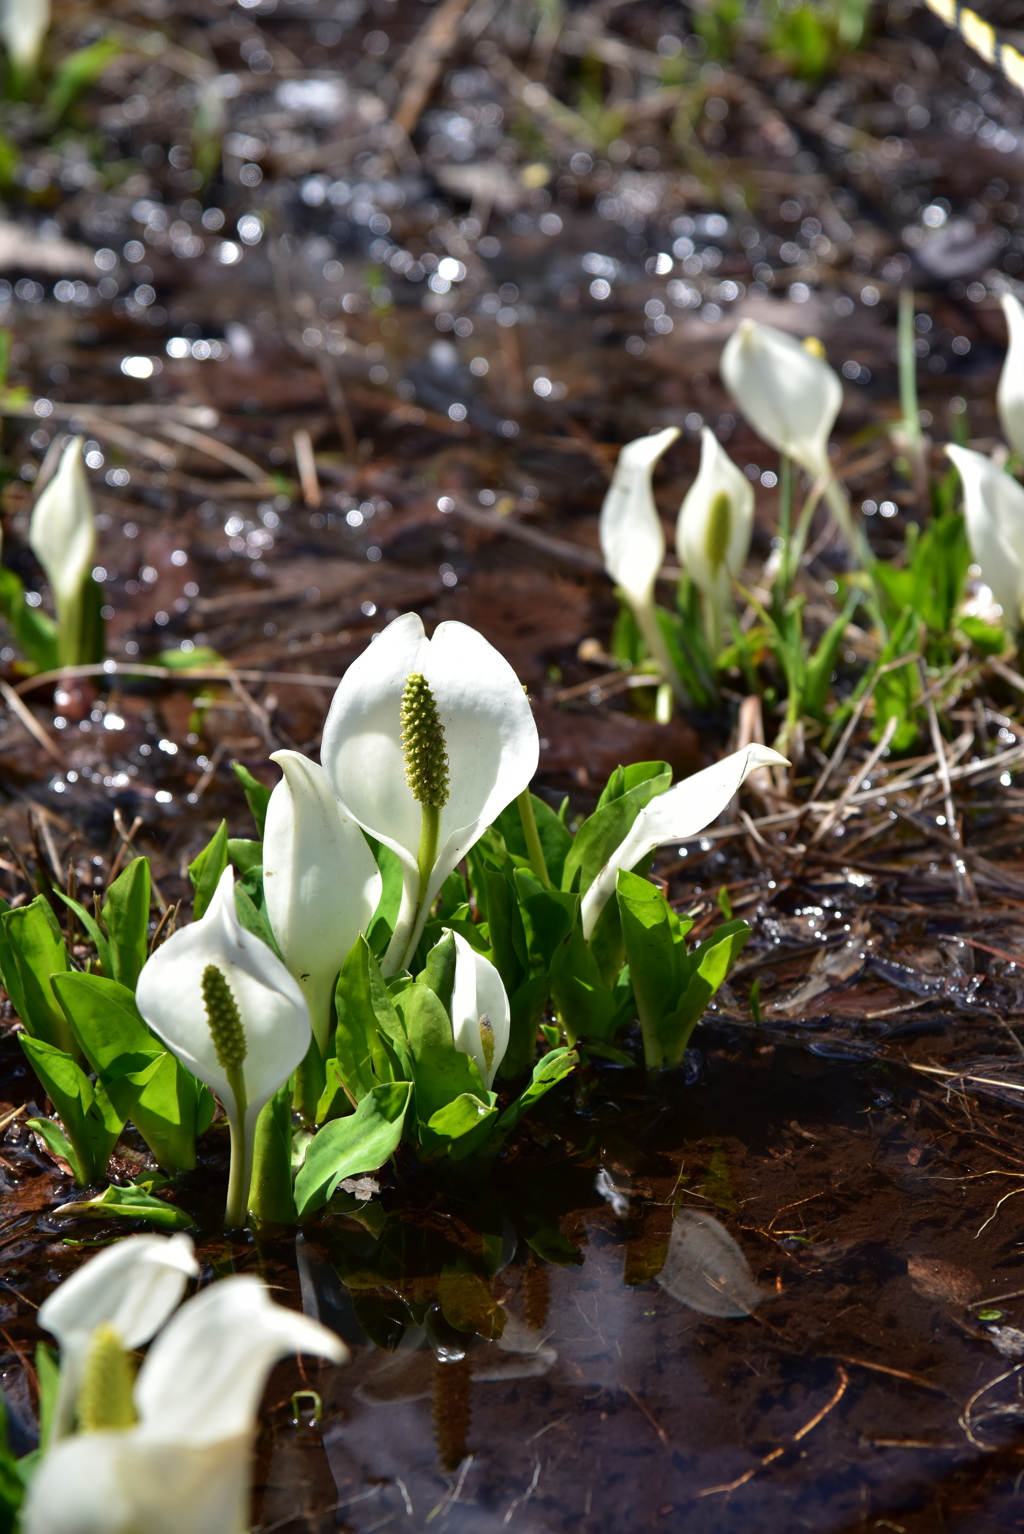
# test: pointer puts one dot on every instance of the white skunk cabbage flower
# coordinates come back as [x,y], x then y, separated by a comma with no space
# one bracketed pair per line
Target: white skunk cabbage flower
[1010,394]
[23,26]
[676,816]
[226,1006]
[791,397]
[131,1288]
[426,742]
[633,543]
[994,514]
[320,881]
[480,1010]
[62,535]
[175,1453]
[713,530]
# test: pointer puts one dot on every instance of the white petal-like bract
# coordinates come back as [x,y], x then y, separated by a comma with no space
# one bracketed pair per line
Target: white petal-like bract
[632,540]
[1010,394]
[994,515]
[790,396]
[480,1010]
[62,529]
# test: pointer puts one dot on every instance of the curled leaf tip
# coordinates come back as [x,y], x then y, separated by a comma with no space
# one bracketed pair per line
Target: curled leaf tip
[423,744]
[105,1397]
[226,1029]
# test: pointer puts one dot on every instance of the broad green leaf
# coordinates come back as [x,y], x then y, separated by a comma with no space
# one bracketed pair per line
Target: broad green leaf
[245,854]
[78,72]
[460,1129]
[33,631]
[598,837]
[126,914]
[505,927]
[252,916]
[440,1071]
[257,795]
[348,1147]
[653,958]
[469,1305]
[38,952]
[704,971]
[361,1058]
[206,869]
[526,1009]
[547,917]
[585,1005]
[89,1119]
[131,1203]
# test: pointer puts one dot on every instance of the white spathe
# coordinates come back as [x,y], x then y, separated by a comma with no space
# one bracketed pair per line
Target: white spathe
[320,881]
[632,540]
[490,738]
[480,1010]
[714,526]
[23,25]
[1010,394]
[132,1286]
[790,396]
[62,529]
[271,1006]
[186,1464]
[681,813]
[994,515]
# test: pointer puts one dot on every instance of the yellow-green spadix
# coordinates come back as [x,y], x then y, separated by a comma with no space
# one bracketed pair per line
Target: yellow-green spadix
[713,529]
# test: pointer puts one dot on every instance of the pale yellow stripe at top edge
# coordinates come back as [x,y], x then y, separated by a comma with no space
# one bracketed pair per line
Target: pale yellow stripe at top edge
[979,35]
[944,9]
[1013,66]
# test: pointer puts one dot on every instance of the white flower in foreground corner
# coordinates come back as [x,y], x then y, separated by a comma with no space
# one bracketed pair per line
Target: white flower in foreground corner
[994,514]
[480,1010]
[791,397]
[23,25]
[714,527]
[320,880]
[62,531]
[426,742]
[223,1002]
[1010,394]
[681,813]
[131,1289]
[182,1462]
[633,543]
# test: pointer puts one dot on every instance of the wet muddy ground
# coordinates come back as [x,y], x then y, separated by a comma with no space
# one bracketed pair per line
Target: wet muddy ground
[382,358]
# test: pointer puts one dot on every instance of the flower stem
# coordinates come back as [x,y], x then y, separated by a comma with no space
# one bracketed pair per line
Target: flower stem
[533,846]
[240,1175]
[654,639]
[430,840]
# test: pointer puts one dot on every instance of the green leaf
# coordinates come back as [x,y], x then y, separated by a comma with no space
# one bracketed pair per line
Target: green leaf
[653,961]
[90,1121]
[245,854]
[348,1147]
[33,631]
[547,1073]
[38,952]
[252,916]
[135,1202]
[361,1057]
[585,1005]
[440,1071]
[985,637]
[78,72]
[144,1081]
[257,795]
[48,1374]
[555,838]
[126,913]
[505,927]
[704,971]
[205,871]
[461,1128]
[817,682]
[271,1199]
[439,971]
[93,928]
[598,837]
